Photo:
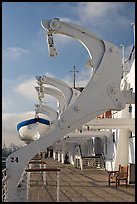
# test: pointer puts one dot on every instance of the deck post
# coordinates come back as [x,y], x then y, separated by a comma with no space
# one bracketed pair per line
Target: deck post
[58,184]
[44,175]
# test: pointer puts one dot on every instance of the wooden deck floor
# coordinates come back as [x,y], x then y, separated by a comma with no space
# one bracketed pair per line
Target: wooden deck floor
[76,186]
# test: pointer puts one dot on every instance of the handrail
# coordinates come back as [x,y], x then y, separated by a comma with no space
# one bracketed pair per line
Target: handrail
[4,185]
[44,169]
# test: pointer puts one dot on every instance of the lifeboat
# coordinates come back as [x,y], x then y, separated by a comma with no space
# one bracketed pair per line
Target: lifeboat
[32,129]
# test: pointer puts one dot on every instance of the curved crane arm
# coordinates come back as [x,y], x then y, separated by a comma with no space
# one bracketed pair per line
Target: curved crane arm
[93,44]
[57,94]
[103,90]
[47,110]
[68,92]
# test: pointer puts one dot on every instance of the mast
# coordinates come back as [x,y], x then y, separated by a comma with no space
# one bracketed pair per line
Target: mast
[74,76]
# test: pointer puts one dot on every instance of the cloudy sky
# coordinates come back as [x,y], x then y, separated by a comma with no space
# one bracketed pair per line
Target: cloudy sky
[25,52]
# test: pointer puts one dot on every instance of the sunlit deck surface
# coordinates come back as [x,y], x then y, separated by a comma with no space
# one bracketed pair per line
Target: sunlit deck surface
[77,186]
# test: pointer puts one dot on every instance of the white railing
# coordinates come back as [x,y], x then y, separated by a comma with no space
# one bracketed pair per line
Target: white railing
[89,162]
[4,185]
[84,162]
[93,162]
[21,187]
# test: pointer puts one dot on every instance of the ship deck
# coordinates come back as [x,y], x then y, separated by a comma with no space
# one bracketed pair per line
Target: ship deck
[76,186]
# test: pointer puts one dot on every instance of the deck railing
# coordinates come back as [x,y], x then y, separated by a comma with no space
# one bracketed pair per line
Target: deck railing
[89,162]
[24,182]
[4,185]
[93,162]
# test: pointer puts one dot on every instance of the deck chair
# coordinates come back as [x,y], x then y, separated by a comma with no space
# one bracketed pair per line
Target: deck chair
[117,176]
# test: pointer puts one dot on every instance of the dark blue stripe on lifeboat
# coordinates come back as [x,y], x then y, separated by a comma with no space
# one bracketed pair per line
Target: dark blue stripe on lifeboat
[32,121]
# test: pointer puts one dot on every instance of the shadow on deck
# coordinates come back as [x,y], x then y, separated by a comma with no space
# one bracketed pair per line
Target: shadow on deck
[76,186]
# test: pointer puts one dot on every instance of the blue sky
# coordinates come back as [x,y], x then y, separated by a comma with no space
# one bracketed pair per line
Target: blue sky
[25,52]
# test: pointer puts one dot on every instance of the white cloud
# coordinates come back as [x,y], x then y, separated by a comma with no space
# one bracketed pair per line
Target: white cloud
[61,40]
[96,12]
[5,103]
[14,53]
[95,9]
[27,88]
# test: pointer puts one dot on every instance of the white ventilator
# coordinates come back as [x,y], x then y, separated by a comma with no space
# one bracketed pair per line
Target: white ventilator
[102,93]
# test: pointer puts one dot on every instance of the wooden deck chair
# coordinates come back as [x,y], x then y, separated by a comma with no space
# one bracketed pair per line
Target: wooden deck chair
[117,176]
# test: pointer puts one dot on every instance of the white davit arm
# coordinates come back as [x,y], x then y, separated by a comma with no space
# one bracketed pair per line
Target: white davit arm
[103,92]
[94,45]
[47,110]
[69,93]
[55,93]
